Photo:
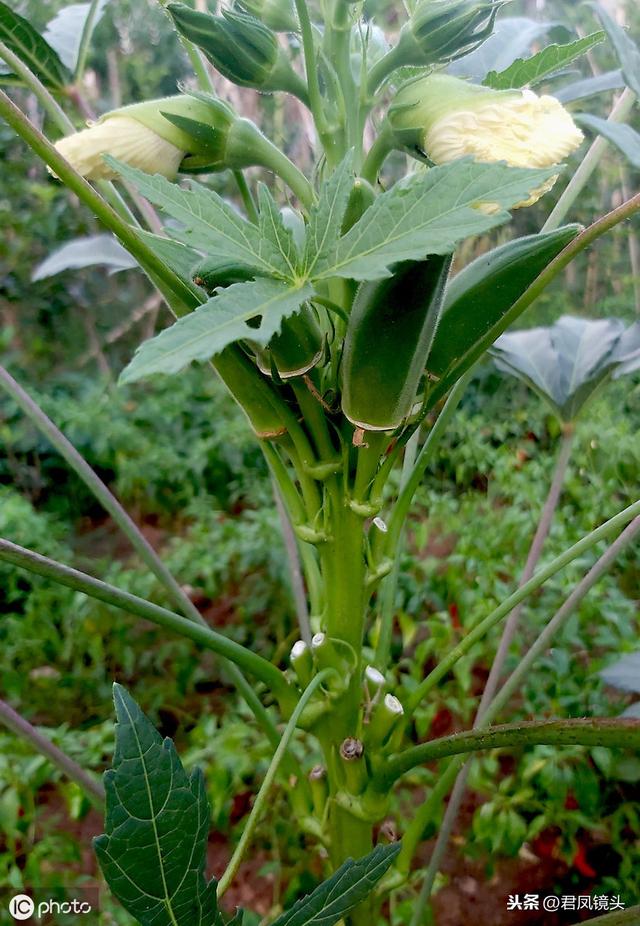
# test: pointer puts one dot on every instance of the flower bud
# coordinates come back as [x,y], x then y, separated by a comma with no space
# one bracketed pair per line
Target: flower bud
[241,47]
[440,31]
[443,118]
[157,136]
[279,15]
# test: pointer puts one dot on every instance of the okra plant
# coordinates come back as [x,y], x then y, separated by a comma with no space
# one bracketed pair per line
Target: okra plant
[339,313]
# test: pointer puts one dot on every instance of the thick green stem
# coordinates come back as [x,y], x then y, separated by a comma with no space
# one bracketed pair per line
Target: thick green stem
[95,588]
[351,838]
[343,573]
[343,569]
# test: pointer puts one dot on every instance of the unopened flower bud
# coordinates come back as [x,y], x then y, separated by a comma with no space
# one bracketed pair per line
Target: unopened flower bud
[444,118]
[157,136]
[240,46]
[440,31]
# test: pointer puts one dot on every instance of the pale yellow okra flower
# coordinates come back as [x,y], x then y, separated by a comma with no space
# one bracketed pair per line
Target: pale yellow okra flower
[446,118]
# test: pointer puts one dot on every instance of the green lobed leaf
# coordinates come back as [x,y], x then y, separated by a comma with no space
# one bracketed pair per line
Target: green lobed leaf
[210,224]
[272,227]
[19,35]
[530,71]
[621,135]
[343,891]
[430,213]
[219,322]
[626,50]
[325,220]
[481,302]
[154,850]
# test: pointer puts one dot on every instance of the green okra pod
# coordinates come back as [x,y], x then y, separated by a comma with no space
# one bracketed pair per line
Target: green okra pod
[478,299]
[361,197]
[389,336]
[296,349]
[253,393]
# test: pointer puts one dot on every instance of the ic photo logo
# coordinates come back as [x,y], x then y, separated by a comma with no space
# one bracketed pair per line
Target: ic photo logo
[46,909]
[21,907]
